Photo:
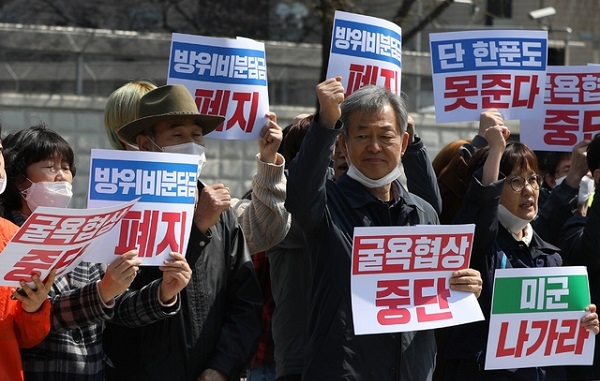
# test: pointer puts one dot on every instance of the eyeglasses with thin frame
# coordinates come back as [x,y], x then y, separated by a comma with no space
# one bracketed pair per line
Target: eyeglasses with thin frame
[517,183]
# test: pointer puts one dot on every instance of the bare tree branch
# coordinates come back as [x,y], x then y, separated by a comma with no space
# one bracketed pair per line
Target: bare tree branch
[403,11]
[435,13]
[185,13]
[58,11]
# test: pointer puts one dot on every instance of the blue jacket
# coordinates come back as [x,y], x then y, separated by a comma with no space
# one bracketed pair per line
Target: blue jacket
[328,213]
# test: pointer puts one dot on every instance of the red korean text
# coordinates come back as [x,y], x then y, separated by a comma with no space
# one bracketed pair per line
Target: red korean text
[396,297]
[420,253]
[217,102]
[545,337]
[139,231]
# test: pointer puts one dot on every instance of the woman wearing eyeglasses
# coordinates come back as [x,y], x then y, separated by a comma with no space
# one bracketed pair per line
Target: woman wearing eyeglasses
[502,200]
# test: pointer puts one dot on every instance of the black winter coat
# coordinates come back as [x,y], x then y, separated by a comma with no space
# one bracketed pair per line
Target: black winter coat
[219,323]
[494,247]
[328,213]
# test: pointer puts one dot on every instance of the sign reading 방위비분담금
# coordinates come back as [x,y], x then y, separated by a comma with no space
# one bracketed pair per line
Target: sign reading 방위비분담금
[165,184]
[400,278]
[226,77]
[365,51]
[58,238]
[572,112]
[478,70]
[536,318]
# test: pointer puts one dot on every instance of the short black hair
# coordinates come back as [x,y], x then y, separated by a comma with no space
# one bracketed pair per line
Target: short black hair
[28,146]
[593,153]
[552,160]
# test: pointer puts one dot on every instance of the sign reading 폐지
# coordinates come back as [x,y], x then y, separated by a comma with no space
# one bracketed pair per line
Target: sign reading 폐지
[365,51]
[165,184]
[226,77]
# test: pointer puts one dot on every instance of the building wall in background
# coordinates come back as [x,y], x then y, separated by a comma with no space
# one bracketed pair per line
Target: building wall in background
[79,120]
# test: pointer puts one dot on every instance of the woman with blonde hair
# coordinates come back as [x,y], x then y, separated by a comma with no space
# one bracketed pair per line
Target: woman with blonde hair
[122,108]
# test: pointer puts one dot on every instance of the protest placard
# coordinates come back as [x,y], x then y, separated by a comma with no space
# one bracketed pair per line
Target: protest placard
[165,184]
[227,77]
[58,238]
[478,70]
[536,318]
[365,50]
[571,112]
[400,278]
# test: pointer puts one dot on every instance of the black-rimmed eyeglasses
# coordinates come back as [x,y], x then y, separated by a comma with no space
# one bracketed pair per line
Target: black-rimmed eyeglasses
[517,183]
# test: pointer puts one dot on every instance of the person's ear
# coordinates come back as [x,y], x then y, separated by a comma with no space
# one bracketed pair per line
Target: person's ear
[596,175]
[405,141]
[143,142]
[21,183]
[342,144]
[550,180]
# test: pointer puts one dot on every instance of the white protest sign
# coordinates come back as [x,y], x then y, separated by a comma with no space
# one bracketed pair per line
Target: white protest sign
[226,77]
[400,278]
[165,184]
[365,51]
[478,70]
[58,238]
[536,318]
[571,109]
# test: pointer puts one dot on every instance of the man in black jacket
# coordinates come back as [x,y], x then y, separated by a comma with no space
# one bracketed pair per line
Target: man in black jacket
[580,243]
[215,334]
[373,138]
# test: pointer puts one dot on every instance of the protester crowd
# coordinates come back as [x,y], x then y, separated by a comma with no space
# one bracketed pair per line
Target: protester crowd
[205,315]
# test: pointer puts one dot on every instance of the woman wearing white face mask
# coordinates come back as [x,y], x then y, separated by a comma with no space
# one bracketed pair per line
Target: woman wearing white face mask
[50,185]
[40,169]
[24,317]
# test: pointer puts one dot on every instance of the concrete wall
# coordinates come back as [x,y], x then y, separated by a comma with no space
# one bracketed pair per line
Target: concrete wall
[79,120]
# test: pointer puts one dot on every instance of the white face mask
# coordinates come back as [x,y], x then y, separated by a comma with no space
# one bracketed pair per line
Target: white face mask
[586,188]
[189,148]
[559,180]
[355,174]
[3,183]
[48,193]
[511,222]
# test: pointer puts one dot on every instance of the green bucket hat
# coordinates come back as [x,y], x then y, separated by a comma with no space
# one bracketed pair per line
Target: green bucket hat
[170,102]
